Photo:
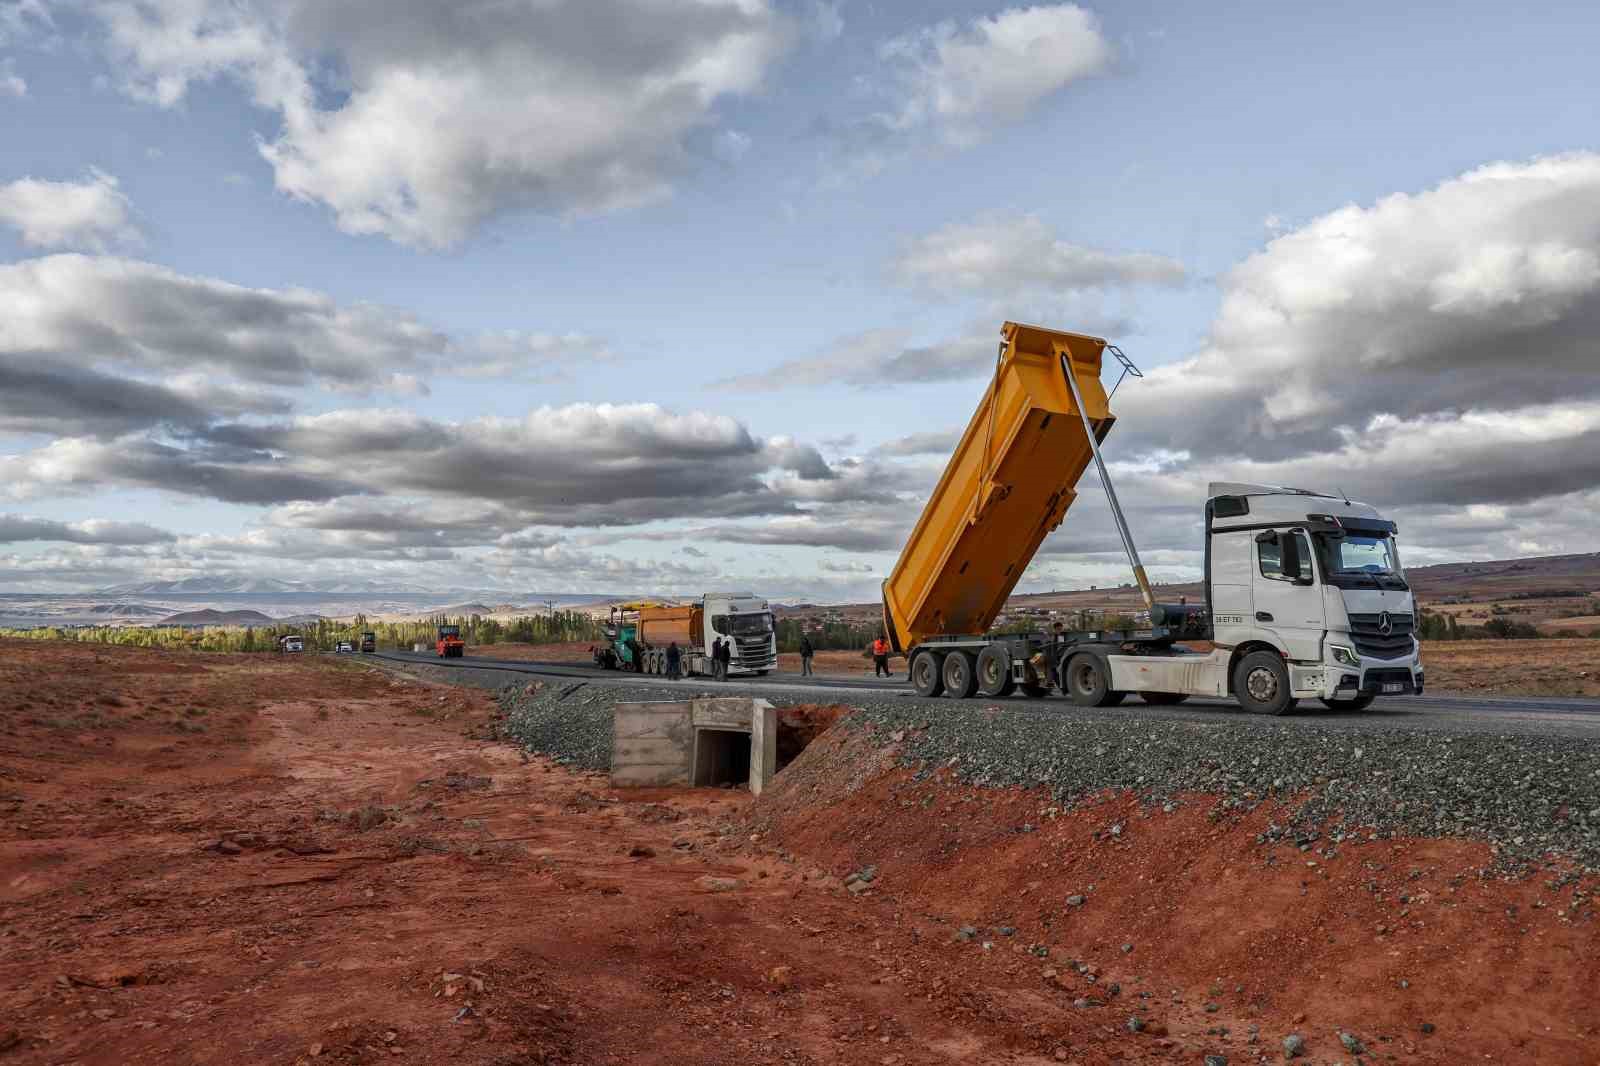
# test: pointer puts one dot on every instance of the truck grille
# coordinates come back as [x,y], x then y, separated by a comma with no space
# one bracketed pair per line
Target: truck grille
[1366,632]
[754,654]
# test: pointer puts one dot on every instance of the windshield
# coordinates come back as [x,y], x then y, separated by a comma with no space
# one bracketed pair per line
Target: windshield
[1359,558]
[743,625]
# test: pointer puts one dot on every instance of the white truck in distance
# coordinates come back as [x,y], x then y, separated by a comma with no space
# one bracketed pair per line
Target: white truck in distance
[1307,600]
[639,634]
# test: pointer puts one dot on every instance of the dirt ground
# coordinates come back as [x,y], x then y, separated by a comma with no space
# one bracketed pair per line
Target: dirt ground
[1513,667]
[1183,916]
[310,860]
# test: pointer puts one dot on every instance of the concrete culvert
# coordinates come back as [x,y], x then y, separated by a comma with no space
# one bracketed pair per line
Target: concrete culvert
[800,725]
[722,758]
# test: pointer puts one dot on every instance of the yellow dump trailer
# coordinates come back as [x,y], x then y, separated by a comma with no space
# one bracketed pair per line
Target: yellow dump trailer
[1009,484]
[663,625]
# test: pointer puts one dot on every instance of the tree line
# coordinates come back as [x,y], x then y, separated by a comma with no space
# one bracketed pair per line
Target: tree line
[325,633]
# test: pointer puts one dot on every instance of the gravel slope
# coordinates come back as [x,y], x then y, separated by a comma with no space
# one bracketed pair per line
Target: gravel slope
[1526,794]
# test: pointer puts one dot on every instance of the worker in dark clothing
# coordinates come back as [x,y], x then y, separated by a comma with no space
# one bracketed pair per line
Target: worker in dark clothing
[719,672]
[674,661]
[806,652]
[634,656]
[727,657]
[880,658]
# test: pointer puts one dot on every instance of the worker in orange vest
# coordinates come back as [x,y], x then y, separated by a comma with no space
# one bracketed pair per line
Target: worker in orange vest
[880,658]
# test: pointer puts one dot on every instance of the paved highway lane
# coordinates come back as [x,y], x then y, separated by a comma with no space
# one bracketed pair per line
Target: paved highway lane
[1540,715]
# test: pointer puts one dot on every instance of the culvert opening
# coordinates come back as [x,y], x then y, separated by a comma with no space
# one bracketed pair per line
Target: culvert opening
[800,725]
[721,757]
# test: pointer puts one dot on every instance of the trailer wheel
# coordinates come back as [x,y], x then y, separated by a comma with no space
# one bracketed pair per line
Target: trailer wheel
[1088,682]
[994,672]
[1164,697]
[925,674]
[960,676]
[1261,684]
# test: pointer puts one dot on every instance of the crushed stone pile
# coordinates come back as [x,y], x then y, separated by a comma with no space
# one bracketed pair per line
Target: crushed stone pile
[1524,793]
[570,721]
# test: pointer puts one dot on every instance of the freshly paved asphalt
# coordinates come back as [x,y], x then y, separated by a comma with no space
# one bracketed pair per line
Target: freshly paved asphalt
[1540,715]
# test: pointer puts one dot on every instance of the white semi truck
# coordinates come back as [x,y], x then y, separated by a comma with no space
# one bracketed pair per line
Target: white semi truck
[1305,597]
[638,635]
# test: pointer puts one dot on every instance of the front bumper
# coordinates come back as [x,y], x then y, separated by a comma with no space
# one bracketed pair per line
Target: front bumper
[1374,677]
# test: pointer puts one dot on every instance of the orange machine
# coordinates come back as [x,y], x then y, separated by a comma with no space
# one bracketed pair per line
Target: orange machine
[450,645]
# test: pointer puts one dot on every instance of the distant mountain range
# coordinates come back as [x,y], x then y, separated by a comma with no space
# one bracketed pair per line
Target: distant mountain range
[249,585]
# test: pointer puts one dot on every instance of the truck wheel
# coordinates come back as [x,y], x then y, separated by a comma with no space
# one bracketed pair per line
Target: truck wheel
[1359,703]
[994,672]
[1088,682]
[960,676]
[1163,697]
[925,674]
[1261,684]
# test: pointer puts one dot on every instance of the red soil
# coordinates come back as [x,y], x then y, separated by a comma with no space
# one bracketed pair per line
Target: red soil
[186,879]
[1372,937]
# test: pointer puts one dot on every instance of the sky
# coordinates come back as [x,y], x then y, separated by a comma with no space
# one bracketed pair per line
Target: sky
[662,296]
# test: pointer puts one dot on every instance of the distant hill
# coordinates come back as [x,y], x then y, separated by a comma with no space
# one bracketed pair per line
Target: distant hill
[1507,578]
[464,609]
[125,610]
[218,618]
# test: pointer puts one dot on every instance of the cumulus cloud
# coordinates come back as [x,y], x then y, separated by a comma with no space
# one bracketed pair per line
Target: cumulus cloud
[874,357]
[37,397]
[15,528]
[958,79]
[1001,254]
[578,465]
[136,315]
[539,356]
[92,213]
[418,121]
[76,464]
[950,84]
[1481,294]
[931,442]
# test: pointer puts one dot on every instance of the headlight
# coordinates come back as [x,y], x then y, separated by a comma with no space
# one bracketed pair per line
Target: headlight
[1342,654]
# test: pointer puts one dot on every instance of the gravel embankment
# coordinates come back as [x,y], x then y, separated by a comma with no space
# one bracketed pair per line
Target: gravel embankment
[1527,794]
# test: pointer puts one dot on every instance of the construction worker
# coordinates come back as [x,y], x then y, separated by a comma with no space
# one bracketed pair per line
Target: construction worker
[880,658]
[719,671]
[806,652]
[674,661]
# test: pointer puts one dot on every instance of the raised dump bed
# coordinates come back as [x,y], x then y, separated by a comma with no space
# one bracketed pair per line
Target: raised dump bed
[1009,484]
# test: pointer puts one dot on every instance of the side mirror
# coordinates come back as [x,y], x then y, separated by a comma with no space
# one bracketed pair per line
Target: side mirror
[1289,554]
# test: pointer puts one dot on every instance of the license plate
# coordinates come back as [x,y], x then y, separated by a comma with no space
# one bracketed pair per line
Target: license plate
[1393,686]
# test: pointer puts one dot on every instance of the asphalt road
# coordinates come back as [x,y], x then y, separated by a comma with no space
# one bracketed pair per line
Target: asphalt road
[1539,715]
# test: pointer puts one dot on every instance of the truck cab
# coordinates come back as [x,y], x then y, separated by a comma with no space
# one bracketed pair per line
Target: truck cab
[369,643]
[745,621]
[1318,580]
